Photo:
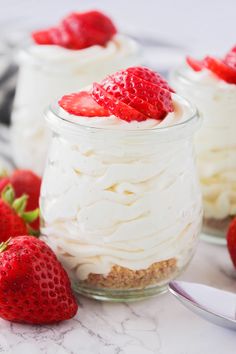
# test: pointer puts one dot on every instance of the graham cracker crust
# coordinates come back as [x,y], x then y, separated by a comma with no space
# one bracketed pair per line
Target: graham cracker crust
[217,226]
[124,278]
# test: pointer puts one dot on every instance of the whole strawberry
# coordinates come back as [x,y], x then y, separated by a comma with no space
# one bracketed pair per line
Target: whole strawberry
[14,220]
[231,240]
[25,182]
[34,288]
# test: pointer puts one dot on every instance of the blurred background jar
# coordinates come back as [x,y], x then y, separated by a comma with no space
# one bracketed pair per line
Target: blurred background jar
[215,145]
[47,72]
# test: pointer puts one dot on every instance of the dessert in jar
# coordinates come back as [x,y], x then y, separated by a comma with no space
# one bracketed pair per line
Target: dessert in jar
[211,85]
[120,198]
[84,47]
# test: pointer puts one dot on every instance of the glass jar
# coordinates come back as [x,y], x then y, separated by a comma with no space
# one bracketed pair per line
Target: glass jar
[47,72]
[215,145]
[121,208]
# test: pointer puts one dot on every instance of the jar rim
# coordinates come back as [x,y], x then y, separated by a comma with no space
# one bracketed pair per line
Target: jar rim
[54,117]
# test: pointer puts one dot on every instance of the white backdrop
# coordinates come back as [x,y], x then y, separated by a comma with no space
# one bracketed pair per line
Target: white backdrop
[204,26]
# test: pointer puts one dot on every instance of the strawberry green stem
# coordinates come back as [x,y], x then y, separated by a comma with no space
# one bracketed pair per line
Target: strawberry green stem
[4,245]
[8,194]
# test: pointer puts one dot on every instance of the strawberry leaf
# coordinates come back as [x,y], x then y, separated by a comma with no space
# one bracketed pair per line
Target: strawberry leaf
[19,204]
[30,216]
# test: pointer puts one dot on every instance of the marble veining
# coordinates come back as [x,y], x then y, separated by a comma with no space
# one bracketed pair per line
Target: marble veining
[157,326]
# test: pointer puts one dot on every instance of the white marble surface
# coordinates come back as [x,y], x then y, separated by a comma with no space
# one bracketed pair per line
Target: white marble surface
[160,325]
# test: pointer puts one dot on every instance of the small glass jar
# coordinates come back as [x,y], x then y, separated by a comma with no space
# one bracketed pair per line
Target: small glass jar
[122,209]
[47,72]
[215,145]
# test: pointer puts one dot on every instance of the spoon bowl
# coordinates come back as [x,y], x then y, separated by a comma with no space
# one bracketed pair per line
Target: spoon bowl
[214,305]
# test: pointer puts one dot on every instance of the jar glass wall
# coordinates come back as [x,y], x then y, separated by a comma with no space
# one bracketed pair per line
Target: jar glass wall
[215,145]
[121,209]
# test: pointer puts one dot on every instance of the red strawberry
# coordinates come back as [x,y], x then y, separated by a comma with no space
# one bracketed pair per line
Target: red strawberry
[222,70]
[135,100]
[89,28]
[13,218]
[150,76]
[115,106]
[4,182]
[196,65]
[42,37]
[130,96]
[147,91]
[82,104]
[53,35]
[27,182]
[231,240]
[34,288]
[78,31]
[230,58]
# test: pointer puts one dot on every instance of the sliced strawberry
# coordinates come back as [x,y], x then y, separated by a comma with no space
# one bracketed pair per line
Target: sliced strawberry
[115,106]
[231,241]
[230,59]
[150,76]
[82,104]
[54,35]
[147,91]
[220,69]
[78,31]
[89,28]
[196,65]
[42,37]
[141,105]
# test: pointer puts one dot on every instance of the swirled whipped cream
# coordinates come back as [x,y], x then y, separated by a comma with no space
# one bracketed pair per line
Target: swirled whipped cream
[47,72]
[128,199]
[216,140]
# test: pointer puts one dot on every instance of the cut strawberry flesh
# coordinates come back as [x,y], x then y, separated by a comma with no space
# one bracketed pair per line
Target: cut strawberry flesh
[82,104]
[117,90]
[230,59]
[42,37]
[196,65]
[78,31]
[224,69]
[220,69]
[115,106]
[125,95]
[150,76]
[147,91]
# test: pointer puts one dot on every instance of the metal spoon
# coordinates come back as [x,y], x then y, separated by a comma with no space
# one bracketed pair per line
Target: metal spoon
[214,305]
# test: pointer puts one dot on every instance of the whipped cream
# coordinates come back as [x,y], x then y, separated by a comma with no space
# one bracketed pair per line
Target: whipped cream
[216,140]
[118,193]
[49,71]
